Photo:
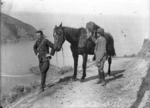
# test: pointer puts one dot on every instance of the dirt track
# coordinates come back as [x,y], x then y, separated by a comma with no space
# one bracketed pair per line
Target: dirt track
[120,91]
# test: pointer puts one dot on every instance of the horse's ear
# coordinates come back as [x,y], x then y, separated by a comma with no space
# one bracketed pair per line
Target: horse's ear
[55,26]
[60,24]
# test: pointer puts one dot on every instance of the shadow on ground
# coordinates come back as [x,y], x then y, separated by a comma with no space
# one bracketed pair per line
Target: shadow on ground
[116,74]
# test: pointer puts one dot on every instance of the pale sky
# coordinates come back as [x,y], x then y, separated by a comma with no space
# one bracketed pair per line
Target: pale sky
[136,27]
[90,7]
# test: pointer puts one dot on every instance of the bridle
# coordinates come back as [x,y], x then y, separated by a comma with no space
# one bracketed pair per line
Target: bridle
[64,38]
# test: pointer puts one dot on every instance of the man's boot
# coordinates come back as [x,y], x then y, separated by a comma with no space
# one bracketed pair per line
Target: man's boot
[43,78]
[99,77]
[103,79]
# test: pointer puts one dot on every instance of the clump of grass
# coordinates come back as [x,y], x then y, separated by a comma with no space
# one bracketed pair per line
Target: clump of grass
[65,69]
[18,92]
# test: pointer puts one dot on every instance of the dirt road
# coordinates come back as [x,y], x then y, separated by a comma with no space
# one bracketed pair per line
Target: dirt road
[119,92]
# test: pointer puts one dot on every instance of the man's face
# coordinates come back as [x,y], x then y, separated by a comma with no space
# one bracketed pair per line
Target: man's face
[98,34]
[38,35]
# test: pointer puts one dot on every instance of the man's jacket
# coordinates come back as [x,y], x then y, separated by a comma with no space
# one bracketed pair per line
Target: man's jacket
[100,48]
[44,47]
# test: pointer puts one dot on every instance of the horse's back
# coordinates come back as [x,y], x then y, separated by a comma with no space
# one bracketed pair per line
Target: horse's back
[84,45]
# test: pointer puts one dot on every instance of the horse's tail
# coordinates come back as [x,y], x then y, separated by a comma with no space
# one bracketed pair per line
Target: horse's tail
[110,44]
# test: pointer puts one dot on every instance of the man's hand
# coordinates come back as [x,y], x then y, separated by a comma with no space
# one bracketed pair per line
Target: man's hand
[49,56]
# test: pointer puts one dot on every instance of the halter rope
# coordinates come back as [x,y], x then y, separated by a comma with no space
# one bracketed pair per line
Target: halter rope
[63,52]
[63,57]
[56,58]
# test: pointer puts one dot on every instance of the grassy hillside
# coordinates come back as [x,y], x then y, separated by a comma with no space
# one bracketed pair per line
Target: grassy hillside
[13,30]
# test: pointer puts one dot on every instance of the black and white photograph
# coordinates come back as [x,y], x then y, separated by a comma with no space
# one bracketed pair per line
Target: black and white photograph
[75,54]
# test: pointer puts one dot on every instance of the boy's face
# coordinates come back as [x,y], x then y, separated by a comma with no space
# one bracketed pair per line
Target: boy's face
[98,34]
[38,35]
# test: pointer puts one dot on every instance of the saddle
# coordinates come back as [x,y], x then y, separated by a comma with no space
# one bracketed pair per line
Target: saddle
[91,26]
[82,39]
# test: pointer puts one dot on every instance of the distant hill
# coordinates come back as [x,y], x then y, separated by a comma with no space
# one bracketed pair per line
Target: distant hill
[13,30]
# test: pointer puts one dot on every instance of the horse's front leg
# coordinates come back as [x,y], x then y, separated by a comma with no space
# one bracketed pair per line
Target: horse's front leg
[75,57]
[109,65]
[85,56]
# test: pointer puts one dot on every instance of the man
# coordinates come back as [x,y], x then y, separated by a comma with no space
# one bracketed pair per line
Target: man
[101,55]
[41,49]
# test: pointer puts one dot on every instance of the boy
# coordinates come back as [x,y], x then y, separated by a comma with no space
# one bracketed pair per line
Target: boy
[101,54]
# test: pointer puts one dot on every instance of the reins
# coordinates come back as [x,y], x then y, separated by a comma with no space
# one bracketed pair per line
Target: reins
[56,58]
[62,54]
[63,57]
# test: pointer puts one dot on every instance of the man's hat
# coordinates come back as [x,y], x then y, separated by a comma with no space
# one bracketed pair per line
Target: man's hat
[100,30]
[40,31]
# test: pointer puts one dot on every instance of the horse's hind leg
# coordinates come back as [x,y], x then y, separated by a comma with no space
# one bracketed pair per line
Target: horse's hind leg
[109,65]
[75,57]
[84,65]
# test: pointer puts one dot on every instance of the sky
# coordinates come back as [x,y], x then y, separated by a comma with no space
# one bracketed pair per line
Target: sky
[132,16]
[89,7]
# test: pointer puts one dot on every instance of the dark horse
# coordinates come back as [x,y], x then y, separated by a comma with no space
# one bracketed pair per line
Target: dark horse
[72,35]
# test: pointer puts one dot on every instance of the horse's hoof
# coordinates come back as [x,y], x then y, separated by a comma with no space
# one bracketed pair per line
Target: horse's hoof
[74,78]
[109,74]
[83,77]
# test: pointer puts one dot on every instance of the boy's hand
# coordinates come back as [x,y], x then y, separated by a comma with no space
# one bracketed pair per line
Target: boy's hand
[37,54]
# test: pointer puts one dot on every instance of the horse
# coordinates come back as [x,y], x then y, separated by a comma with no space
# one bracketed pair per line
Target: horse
[72,35]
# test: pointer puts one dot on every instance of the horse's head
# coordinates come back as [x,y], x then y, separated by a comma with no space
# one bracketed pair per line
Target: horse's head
[58,37]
